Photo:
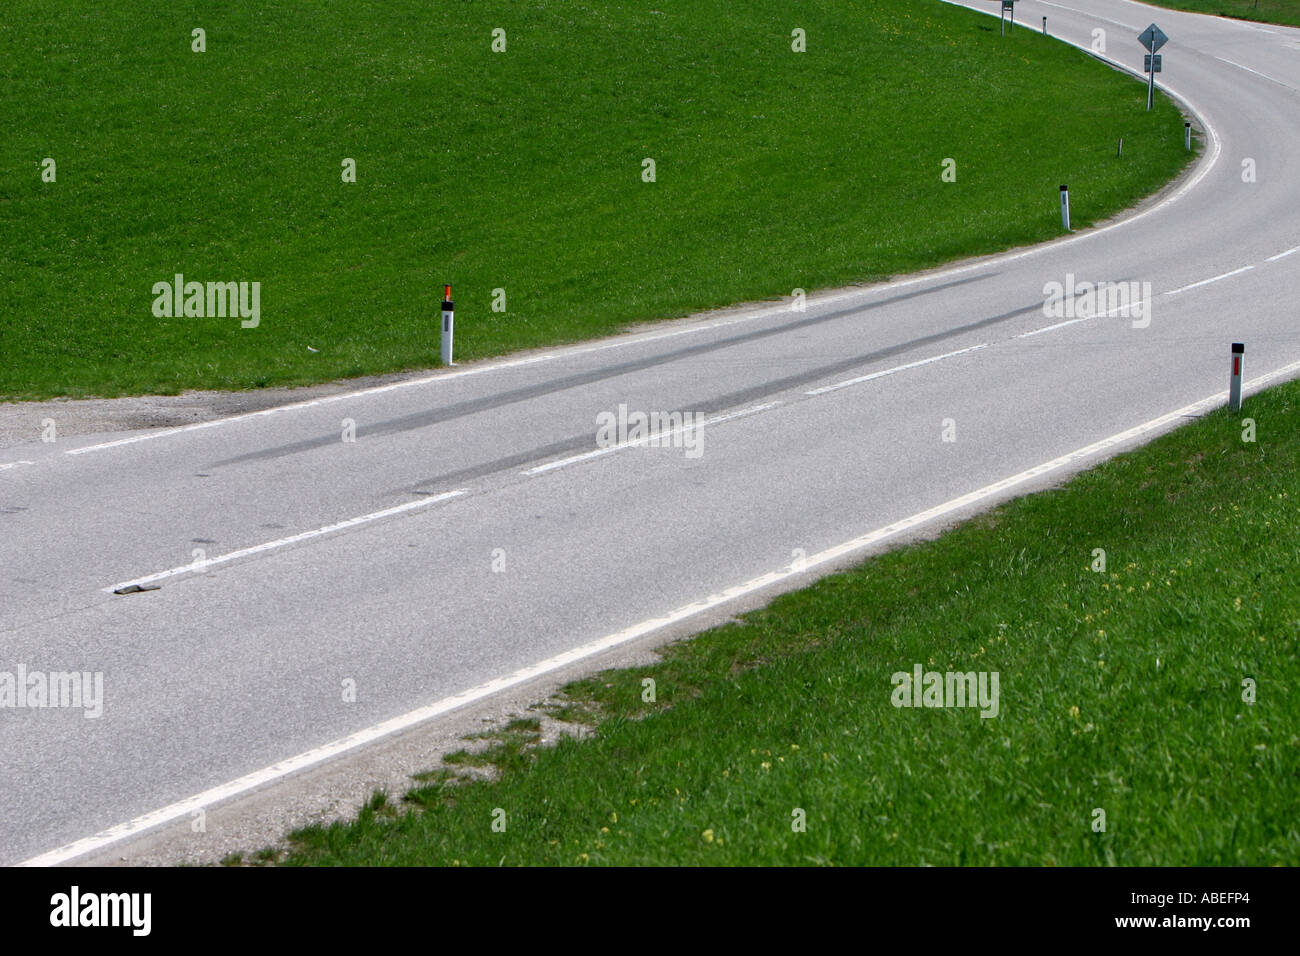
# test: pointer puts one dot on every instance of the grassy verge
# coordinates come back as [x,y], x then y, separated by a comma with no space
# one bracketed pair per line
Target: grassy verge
[520,170]
[1121,690]
[1286,12]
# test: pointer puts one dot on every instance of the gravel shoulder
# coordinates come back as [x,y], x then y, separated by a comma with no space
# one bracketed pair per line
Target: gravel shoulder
[23,422]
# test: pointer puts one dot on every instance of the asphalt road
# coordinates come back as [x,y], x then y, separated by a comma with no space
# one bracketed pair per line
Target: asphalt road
[238,660]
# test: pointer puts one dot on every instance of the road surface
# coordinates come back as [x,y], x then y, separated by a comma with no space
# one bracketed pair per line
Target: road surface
[469,535]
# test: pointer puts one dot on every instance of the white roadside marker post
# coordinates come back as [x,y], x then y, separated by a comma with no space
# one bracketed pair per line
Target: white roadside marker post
[1044,26]
[1187,134]
[448,324]
[1234,384]
[1065,207]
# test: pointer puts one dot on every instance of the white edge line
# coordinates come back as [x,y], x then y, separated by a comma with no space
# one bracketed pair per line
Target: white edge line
[1230,21]
[1051,328]
[1108,314]
[404,722]
[1197,285]
[1207,165]
[1242,66]
[1283,255]
[1086,13]
[197,566]
[898,368]
[596,453]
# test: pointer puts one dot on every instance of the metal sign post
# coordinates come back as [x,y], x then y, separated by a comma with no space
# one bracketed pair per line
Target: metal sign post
[1153,38]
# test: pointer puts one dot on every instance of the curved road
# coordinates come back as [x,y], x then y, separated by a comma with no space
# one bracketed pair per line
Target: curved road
[290,561]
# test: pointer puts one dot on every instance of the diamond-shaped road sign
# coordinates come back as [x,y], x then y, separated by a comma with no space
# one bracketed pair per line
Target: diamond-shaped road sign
[1153,38]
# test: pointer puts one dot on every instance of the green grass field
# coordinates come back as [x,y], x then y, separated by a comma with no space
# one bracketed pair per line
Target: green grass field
[1266,11]
[519,170]
[1121,690]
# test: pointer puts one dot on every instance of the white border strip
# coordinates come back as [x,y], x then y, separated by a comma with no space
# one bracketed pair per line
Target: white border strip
[195,566]
[1061,6]
[1197,285]
[411,719]
[656,437]
[890,371]
[1242,66]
